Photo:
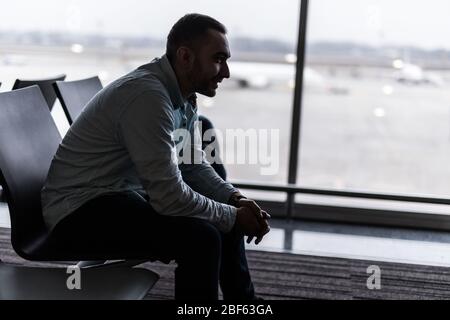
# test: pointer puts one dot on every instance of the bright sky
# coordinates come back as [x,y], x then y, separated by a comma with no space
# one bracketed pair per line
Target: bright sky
[415,22]
[378,22]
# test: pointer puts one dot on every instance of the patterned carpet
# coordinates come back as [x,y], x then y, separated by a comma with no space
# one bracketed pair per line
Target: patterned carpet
[282,276]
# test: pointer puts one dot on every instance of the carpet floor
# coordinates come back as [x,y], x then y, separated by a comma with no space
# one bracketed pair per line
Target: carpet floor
[283,276]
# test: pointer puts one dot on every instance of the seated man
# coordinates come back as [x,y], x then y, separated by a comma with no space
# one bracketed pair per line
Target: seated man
[115,184]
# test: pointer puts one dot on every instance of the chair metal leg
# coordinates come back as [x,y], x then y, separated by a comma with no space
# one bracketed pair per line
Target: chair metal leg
[91,264]
[109,263]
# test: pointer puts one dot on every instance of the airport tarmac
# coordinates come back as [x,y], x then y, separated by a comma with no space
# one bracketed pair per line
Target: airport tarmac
[373,134]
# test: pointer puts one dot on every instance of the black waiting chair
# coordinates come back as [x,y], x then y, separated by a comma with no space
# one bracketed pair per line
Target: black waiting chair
[74,95]
[28,141]
[44,84]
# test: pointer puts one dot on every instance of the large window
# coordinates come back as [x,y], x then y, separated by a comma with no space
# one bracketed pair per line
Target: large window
[375,107]
[376,97]
[109,38]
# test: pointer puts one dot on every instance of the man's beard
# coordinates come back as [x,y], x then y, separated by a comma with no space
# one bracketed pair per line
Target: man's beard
[205,87]
[202,86]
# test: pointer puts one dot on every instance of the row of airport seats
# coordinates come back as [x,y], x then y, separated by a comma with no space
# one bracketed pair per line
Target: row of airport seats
[73,95]
[28,140]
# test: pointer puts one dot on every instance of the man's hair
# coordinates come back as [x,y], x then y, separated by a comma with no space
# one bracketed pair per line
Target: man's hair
[188,29]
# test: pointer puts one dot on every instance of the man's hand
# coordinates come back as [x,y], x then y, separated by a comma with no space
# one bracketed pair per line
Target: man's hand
[247,223]
[261,217]
[234,199]
[238,200]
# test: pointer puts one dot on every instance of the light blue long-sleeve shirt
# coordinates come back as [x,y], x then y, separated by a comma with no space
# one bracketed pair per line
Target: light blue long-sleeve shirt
[124,140]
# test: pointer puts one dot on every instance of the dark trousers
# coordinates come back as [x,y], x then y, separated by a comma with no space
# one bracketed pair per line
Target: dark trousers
[127,223]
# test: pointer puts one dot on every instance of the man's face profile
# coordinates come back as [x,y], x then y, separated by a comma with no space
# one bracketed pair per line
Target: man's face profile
[210,63]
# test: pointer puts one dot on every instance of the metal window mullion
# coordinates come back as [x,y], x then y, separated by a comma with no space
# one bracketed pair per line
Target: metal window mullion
[297,105]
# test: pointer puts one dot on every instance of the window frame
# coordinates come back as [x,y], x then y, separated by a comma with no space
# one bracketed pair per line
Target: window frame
[290,209]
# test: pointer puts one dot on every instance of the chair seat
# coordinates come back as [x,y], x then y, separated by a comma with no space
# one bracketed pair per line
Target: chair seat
[33,283]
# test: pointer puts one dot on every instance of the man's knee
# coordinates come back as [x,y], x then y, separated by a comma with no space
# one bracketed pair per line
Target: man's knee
[202,237]
[208,235]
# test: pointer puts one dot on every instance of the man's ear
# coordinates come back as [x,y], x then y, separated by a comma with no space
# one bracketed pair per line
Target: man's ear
[185,57]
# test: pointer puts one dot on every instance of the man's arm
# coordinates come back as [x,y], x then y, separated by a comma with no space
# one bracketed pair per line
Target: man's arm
[145,129]
[204,179]
[200,175]
[235,198]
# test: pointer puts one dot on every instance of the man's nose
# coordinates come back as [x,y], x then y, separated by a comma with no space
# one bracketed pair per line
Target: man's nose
[225,72]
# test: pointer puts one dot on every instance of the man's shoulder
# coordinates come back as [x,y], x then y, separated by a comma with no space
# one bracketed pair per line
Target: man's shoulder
[139,81]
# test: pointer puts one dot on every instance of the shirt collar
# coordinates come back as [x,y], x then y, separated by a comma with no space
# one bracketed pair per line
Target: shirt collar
[192,99]
[172,83]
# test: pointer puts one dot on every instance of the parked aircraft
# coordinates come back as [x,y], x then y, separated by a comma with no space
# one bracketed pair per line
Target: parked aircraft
[263,75]
[412,74]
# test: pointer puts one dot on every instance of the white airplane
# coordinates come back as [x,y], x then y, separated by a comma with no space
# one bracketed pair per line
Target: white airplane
[262,75]
[412,74]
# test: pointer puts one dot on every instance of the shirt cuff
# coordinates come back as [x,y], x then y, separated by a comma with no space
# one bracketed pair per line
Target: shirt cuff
[225,193]
[228,219]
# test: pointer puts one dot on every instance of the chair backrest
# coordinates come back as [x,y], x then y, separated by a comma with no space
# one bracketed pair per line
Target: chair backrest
[44,84]
[74,95]
[29,139]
